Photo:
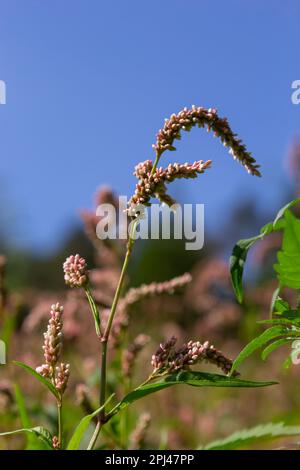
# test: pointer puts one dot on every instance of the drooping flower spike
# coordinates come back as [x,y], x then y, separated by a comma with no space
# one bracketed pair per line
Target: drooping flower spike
[167,359]
[202,117]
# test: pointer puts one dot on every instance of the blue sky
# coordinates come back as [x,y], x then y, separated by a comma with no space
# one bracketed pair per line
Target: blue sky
[89,83]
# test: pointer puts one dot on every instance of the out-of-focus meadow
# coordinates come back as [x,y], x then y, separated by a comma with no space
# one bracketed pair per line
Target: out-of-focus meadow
[181,417]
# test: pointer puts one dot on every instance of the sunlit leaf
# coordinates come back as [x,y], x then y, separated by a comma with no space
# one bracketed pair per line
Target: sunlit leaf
[240,250]
[38,431]
[39,377]
[273,346]
[261,340]
[196,379]
[288,265]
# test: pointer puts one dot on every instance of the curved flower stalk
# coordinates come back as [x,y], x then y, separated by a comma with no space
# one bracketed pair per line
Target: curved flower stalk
[201,117]
[152,180]
[57,373]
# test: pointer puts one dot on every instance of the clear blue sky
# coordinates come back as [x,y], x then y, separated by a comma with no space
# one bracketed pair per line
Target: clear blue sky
[90,82]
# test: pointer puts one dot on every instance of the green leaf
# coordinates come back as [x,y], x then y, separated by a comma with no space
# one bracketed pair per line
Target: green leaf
[281,305]
[273,346]
[282,211]
[21,407]
[288,266]
[291,315]
[237,262]
[275,321]
[94,310]
[240,250]
[284,312]
[33,443]
[38,431]
[259,341]
[259,433]
[38,376]
[196,379]
[8,328]
[80,430]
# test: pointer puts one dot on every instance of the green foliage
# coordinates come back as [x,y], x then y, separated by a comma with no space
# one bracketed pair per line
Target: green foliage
[94,310]
[288,266]
[285,320]
[270,334]
[273,346]
[195,379]
[237,262]
[38,431]
[82,427]
[287,273]
[39,377]
[32,441]
[257,434]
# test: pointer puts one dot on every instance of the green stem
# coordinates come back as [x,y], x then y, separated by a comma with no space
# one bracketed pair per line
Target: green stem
[59,416]
[98,426]
[156,162]
[105,336]
[118,291]
[103,380]
[116,408]
[101,416]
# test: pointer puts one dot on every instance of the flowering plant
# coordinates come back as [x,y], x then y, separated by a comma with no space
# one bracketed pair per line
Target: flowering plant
[171,365]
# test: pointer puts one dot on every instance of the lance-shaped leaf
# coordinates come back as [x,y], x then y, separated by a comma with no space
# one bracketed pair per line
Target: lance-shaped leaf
[273,346]
[38,431]
[261,340]
[193,378]
[40,378]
